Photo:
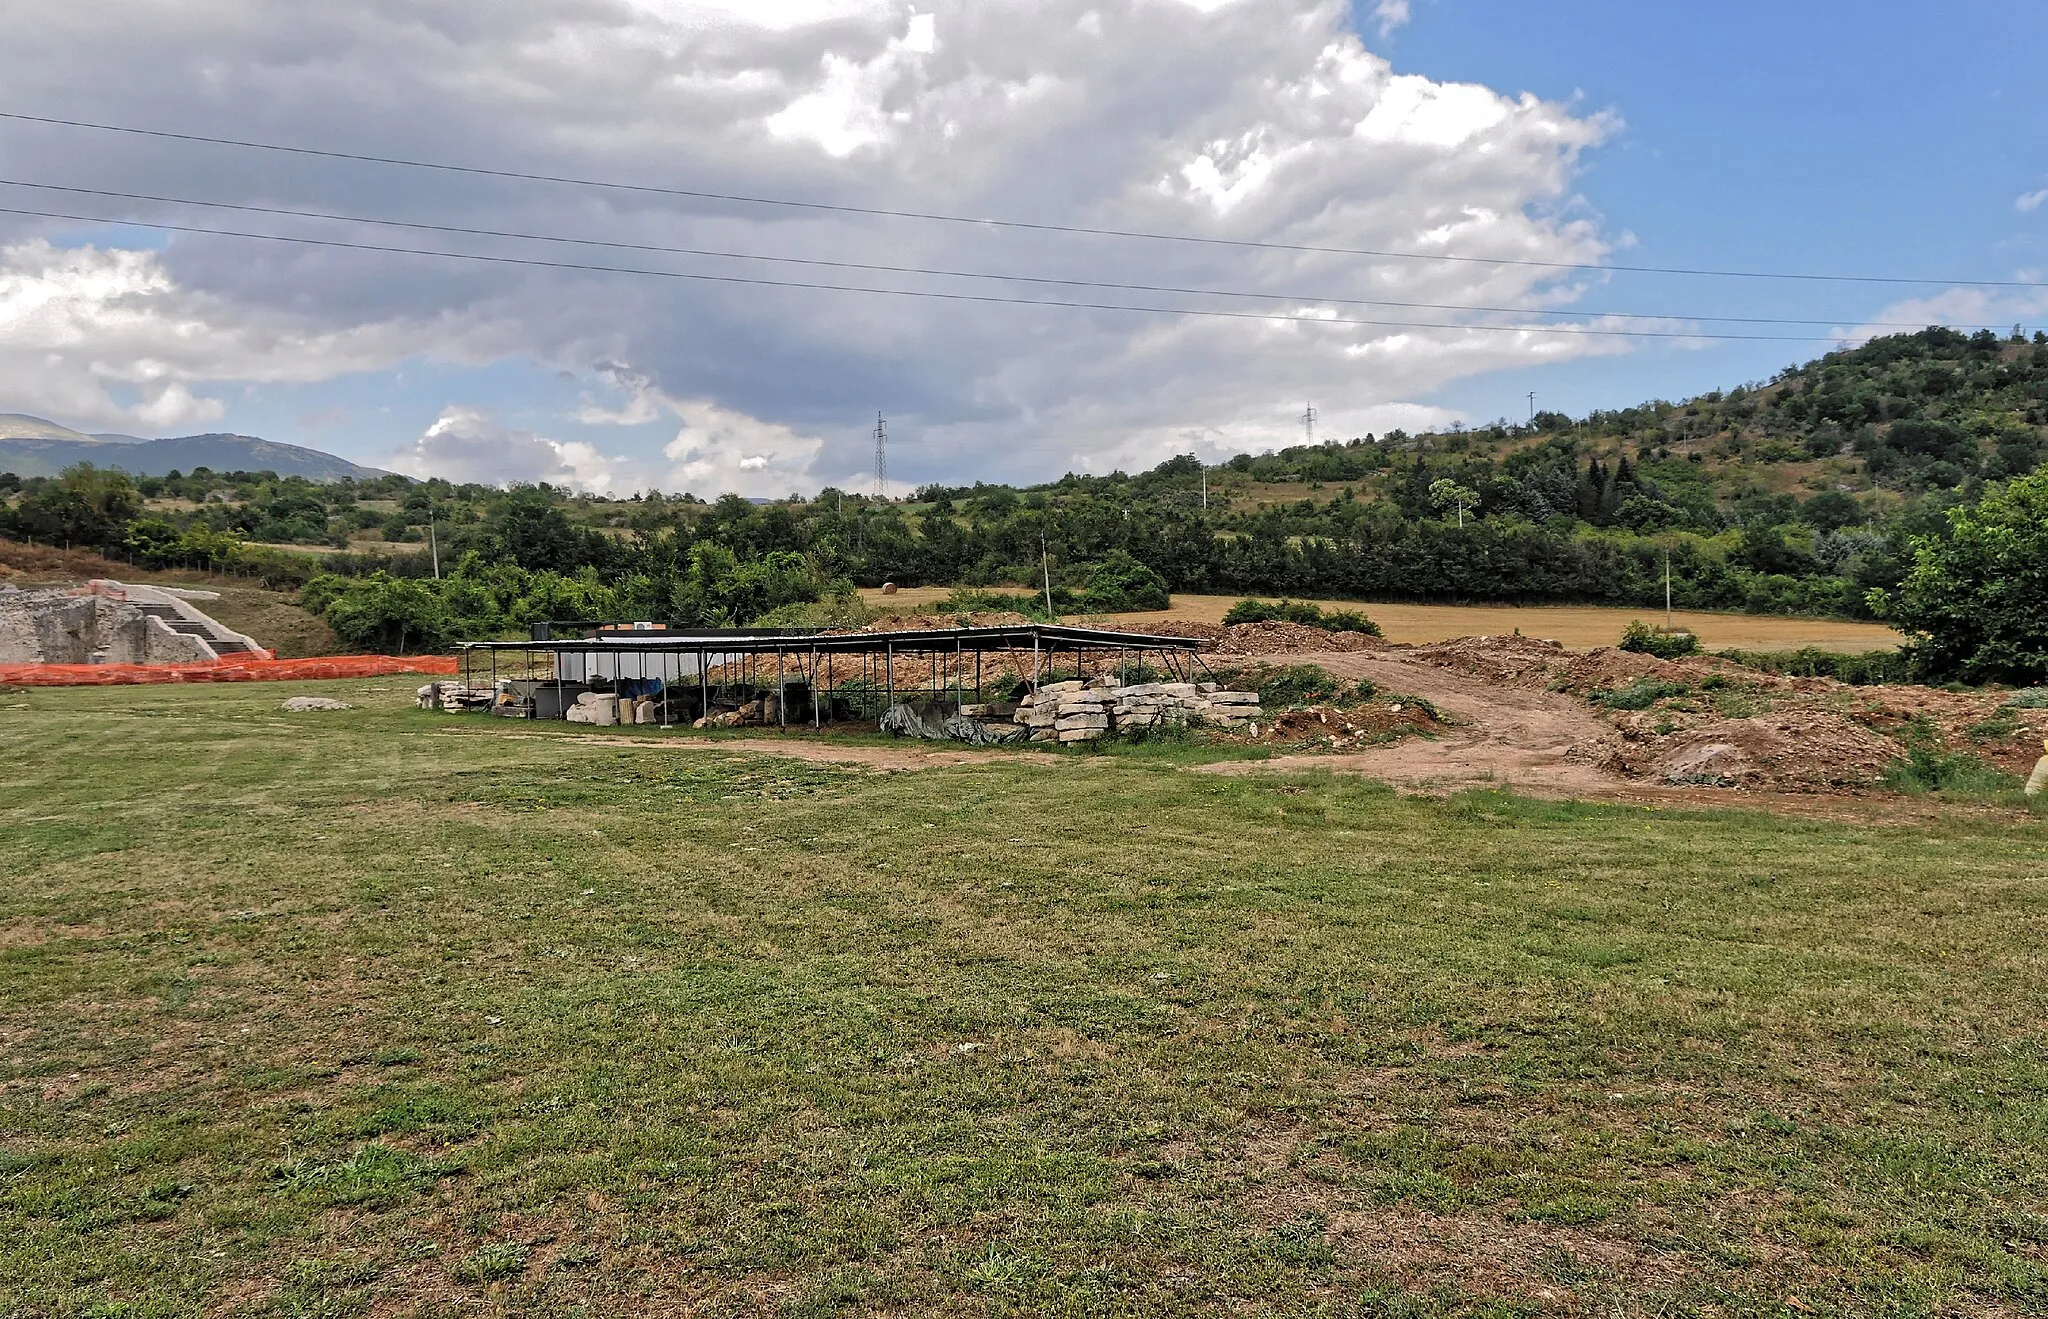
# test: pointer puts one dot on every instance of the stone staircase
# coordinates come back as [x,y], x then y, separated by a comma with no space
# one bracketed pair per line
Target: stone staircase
[194,624]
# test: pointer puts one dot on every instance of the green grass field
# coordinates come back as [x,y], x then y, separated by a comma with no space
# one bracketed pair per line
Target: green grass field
[384,1012]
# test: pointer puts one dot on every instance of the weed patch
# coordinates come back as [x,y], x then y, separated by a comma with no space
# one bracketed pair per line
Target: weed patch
[1639,695]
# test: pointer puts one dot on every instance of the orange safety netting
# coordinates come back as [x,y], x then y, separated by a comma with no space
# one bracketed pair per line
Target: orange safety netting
[262,669]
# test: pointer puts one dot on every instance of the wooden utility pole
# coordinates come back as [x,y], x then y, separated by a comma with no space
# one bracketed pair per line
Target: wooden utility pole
[1045,566]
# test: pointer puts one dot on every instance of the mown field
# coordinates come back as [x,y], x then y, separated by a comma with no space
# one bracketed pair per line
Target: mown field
[383,1012]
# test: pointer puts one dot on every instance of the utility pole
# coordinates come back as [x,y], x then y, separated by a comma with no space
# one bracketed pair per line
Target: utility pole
[1308,421]
[1045,566]
[1532,405]
[1667,590]
[881,460]
[1205,487]
[433,545]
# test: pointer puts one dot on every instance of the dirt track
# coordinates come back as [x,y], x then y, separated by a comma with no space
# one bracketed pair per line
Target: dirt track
[1505,736]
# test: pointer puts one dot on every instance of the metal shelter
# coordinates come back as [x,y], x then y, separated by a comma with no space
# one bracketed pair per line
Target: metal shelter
[835,670]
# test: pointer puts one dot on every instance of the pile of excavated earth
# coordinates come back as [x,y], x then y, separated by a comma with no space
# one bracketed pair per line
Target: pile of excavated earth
[1711,722]
[1700,721]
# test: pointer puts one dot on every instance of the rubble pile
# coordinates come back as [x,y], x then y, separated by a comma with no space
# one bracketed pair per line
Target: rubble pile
[1799,750]
[1354,728]
[761,710]
[456,697]
[1274,638]
[1074,711]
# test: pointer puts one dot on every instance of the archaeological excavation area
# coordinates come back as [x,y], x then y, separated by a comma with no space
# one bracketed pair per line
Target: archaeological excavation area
[977,684]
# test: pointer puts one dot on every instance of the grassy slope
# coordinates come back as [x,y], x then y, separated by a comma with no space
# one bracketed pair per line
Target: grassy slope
[303,1011]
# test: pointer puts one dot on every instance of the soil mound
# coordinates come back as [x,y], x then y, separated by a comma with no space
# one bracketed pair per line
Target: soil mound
[1521,661]
[934,622]
[1801,749]
[1274,638]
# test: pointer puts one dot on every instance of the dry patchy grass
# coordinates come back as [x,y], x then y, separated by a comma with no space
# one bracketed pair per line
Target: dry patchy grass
[338,1015]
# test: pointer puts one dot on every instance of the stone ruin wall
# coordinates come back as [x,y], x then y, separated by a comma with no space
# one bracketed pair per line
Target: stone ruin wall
[59,627]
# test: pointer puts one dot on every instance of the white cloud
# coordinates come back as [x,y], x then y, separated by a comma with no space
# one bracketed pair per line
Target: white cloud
[467,444]
[719,451]
[109,336]
[2028,202]
[1390,15]
[1270,121]
[1955,306]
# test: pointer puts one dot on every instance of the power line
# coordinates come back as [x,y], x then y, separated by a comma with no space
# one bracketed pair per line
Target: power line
[468,231]
[988,221]
[987,298]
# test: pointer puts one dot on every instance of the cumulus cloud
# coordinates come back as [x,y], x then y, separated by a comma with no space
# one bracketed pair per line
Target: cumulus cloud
[1390,15]
[718,449]
[2028,202]
[111,336]
[1271,122]
[467,444]
[1955,306]
[715,449]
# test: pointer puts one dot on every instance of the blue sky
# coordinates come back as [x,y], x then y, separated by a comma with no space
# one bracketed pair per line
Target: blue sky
[1873,139]
[1878,138]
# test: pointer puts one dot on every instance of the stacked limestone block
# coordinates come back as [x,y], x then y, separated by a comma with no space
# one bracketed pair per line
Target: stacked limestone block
[1082,712]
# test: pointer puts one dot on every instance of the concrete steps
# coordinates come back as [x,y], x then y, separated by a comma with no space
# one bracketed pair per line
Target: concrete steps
[205,629]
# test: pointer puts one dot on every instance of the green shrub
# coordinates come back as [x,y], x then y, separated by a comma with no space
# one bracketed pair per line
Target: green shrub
[1929,766]
[1302,612]
[1304,684]
[1119,584]
[1640,694]
[974,600]
[1866,670]
[1976,597]
[2028,698]
[838,611]
[1643,639]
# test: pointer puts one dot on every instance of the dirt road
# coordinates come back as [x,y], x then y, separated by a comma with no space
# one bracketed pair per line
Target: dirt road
[1503,736]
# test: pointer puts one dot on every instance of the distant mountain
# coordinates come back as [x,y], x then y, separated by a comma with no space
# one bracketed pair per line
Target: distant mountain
[31,446]
[21,426]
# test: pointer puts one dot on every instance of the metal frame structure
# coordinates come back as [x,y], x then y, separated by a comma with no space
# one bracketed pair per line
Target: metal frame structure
[807,657]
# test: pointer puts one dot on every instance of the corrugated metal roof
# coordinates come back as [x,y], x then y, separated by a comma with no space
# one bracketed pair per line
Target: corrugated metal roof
[732,641]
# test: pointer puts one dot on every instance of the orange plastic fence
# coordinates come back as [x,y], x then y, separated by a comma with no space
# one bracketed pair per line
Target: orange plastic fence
[227,670]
